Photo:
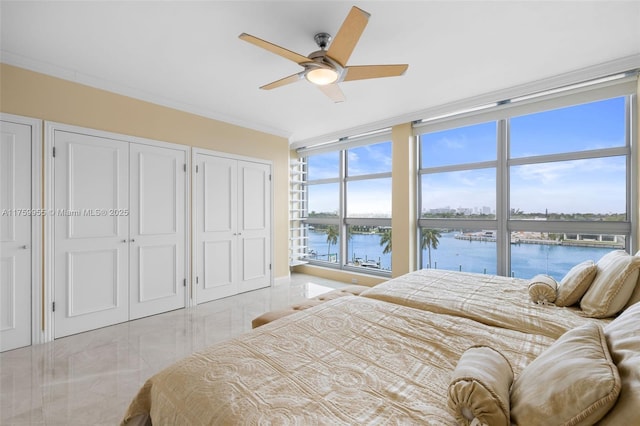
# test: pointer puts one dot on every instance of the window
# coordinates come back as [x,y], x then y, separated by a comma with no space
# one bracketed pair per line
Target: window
[555,253]
[464,250]
[323,243]
[458,198]
[323,166]
[461,194]
[463,145]
[566,190]
[323,208]
[555,174]
[322,200]
[369,198]
[595,125]
[350,231]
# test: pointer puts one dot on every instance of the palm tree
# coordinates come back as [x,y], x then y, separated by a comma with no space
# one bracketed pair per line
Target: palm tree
[332,238]
[385,240]
[429,238]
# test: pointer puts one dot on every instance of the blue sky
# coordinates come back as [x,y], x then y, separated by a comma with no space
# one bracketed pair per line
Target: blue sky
[559,187]
[366,197]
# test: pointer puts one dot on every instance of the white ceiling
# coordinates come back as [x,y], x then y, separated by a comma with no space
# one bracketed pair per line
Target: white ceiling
[187,55]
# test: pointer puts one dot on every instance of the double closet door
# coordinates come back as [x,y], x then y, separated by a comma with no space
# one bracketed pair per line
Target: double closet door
[119,230]
[232,226]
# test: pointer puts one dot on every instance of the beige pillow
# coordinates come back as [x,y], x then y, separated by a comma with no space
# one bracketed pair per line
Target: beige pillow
[635,296]
[542,289]
[576,283]
[479,388]
[573,382]
[623,336]
[612,287]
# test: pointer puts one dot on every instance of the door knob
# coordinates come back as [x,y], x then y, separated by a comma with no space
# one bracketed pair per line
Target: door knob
[24,247]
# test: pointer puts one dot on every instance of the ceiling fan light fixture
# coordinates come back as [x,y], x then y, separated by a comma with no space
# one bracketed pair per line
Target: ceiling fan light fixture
[322,76]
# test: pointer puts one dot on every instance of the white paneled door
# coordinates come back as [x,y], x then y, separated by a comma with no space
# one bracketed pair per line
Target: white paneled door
[216,224]
[157,230]
[91,252]
[254,230]
[120,234]
[232,226]
[15,236]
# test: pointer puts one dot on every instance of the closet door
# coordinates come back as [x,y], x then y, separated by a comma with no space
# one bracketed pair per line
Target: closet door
[254,225]
[157,230]
[91,247]
[216,227]
[15,236]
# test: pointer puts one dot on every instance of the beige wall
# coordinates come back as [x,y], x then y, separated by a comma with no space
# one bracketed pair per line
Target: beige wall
[403,209]
[39,96]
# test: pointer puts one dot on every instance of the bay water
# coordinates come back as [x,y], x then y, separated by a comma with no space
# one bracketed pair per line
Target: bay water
[527,260]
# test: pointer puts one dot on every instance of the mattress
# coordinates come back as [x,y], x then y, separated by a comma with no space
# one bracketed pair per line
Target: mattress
[351,360]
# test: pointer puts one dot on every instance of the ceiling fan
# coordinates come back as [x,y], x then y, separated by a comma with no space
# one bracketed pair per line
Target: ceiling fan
[325,68]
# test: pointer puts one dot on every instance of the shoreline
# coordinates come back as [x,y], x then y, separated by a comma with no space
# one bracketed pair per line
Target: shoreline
[567,243]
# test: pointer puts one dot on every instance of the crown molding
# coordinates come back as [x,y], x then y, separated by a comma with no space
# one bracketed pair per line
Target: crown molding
[132,92]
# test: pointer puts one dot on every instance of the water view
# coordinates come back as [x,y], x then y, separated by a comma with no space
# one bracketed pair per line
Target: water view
[459,178]
[466,255]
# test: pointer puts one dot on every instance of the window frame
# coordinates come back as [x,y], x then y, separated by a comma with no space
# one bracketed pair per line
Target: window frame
[501,114]
[342,221]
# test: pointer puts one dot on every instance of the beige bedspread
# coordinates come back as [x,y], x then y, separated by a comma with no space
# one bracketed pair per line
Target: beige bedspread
[490,299]
[352,360]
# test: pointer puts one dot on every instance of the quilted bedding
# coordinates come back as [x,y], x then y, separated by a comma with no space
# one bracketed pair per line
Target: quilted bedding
[352,360]
[490,299]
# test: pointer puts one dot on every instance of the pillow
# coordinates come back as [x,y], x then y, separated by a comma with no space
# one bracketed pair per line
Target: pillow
[479,388]
[573,382]
[623,336]
[635,296]
[612,287]
[576,283]
[542,289]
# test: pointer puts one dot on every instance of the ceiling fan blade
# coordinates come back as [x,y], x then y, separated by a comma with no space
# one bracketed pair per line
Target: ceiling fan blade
[348,35]
[333,92]
[283,81]
[274,48]
[363,72]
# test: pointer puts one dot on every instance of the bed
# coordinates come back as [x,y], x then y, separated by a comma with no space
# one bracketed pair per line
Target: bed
[491,299]
[389,356]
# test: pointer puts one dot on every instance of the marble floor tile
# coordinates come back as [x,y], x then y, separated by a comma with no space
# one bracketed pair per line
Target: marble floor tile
[90,378]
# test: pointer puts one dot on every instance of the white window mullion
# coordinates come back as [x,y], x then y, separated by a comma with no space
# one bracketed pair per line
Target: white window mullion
[503,240]
[458,167]
[343,209]
[633,186]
